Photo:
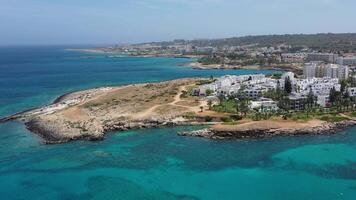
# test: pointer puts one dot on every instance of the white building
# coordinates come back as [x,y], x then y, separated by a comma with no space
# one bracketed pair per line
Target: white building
[344,72]
[352,91]
[203,90]
[313,70]
[350,61]
[264,104]
[319,86]
[332,70]
[309,70]
[254,92]
[337,71]
[293,57]
[254,86]
[324,57]
[323,100]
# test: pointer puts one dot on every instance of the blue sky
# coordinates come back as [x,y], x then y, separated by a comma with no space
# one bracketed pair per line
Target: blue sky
[131,21]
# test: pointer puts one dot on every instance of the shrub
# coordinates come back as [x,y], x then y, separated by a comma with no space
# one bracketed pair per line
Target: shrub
[227,119]
[236,117]
[208,118]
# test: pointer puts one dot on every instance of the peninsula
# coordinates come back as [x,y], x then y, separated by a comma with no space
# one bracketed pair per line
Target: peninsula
[91,113]
[235,107]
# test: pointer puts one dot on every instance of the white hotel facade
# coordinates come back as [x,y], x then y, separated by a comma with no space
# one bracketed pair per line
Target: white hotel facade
[318,70]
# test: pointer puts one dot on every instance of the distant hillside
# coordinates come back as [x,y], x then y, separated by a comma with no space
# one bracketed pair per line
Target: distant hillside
[325,41]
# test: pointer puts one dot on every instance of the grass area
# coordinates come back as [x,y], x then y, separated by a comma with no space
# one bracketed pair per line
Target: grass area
[301,117]
[204,82]
[228,106]
[353,114]
[230,119]
[233,123]
[332,118]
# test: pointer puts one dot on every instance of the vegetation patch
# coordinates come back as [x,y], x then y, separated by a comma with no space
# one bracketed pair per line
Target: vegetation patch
[204,82]
[301,117]
[353,114]
[227,106]
[208,119]
[332,118]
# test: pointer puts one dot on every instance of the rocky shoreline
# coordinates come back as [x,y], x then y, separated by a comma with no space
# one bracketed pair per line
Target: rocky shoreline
[51,135]
[90,114]
[324,129]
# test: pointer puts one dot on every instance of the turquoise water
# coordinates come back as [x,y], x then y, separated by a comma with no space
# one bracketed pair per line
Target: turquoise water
[154,163]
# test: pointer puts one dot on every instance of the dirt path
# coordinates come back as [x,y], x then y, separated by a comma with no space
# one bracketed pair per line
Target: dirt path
[146,113]
[177,98]
[191,108]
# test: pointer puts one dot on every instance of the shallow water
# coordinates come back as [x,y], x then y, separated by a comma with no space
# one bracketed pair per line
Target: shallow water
[153,163]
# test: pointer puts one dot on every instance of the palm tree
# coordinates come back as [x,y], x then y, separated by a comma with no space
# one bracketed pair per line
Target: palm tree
[244,107]
[210,103]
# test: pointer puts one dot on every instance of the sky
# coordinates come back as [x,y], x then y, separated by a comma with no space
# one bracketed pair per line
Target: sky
[48,22]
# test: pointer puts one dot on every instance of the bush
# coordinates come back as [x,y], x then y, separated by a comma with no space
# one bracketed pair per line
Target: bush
[227,119]
[236,117]
[208,119]
[184,94]
[204,82]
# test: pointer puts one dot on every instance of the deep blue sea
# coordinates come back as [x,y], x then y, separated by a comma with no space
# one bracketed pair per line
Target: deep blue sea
[152,163]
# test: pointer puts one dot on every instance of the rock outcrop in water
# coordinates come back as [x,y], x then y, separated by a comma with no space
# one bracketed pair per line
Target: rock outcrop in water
[322,129]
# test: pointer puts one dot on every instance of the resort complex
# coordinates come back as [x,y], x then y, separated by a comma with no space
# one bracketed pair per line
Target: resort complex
[321,85]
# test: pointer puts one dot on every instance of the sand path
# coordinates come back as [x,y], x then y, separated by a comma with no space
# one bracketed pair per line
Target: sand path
[177,98]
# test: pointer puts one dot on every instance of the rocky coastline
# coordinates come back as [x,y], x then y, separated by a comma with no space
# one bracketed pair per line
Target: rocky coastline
[90,114]
[201,66]
[326,128]
[51,135]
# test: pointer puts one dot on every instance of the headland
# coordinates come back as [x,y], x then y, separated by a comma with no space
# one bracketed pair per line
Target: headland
[90,114]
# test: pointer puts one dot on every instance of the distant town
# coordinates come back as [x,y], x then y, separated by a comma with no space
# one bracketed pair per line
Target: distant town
[286,52]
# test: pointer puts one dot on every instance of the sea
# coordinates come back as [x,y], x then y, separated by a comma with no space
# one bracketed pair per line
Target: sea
[152,163]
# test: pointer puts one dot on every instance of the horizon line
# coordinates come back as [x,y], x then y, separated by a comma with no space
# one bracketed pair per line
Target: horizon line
[171,40]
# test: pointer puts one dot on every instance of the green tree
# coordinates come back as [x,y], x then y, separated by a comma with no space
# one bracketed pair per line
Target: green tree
[210,103]
[287,85]
[243,107]
[332,95]
[209,92]
[343,84]
[311,99]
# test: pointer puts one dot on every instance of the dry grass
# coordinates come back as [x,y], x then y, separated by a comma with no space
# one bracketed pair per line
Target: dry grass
[139,101]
